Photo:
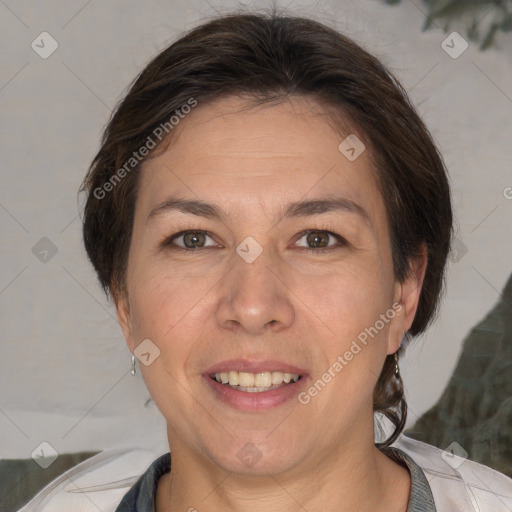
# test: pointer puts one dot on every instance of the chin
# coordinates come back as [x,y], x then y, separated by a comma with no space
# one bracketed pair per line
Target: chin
[258,454]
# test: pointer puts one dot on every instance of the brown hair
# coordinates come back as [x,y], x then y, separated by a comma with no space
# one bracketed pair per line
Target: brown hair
[270,56]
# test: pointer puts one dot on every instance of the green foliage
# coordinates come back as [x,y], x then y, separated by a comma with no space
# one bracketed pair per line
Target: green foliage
[472,12]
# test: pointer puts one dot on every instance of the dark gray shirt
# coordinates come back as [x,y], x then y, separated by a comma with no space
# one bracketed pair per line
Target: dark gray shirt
[141,497]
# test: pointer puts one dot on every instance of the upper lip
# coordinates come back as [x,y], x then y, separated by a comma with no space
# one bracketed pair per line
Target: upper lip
[244,365]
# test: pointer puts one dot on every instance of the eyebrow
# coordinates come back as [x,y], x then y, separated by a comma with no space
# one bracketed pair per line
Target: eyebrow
[307,208]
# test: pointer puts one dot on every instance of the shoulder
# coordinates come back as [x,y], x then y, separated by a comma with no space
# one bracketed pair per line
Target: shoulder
[100,482]
[458,483]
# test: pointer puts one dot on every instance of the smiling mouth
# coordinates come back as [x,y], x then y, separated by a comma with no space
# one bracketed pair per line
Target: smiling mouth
[255,382]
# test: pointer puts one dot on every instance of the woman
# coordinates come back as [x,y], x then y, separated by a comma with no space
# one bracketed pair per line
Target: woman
[272,220]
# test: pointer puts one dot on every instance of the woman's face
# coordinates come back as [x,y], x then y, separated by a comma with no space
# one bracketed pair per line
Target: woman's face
[256,296]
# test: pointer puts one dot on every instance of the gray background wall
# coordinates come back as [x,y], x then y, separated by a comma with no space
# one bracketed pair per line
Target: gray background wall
[64,366]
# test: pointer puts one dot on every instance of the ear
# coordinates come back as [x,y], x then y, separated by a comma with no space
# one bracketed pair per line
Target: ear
[406,300]
[125,320]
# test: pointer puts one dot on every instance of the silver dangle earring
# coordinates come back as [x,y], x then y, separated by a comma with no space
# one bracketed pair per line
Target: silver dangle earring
[397,371]
[132,371]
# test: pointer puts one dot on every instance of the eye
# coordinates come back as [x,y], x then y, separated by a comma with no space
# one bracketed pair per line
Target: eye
[192,240]
[318,240]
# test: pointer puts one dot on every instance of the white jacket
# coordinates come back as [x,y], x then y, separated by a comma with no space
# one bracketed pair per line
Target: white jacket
[100,482]
[459,484]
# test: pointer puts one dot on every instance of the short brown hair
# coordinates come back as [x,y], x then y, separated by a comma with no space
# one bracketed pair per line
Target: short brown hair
[270,56]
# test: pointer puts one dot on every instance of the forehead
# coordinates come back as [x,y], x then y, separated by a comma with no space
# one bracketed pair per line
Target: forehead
[241,157]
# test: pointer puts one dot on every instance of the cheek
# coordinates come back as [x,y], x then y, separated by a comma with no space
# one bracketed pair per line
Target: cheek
[347,301]
[161,296]
[169,309]
[350,305]
[166,317]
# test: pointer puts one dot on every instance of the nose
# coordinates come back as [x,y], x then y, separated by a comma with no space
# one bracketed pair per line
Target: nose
[254,296]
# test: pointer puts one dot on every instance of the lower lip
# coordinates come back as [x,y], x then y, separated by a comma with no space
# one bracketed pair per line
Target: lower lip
[257,401]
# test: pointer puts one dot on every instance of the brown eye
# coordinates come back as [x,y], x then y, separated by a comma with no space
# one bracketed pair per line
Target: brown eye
[318,240]
[191,240]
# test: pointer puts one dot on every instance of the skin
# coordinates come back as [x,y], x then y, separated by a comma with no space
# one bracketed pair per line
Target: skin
[290,304]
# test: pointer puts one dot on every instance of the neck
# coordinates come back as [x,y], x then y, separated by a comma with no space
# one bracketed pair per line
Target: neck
[355,476]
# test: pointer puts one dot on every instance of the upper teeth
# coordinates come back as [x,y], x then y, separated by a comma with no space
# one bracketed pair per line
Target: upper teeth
[259,380]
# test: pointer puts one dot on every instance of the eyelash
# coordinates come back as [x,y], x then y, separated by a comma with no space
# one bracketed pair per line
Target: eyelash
[167,243]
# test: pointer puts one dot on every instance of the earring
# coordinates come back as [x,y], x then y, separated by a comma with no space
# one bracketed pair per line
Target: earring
[132,371]
[397,371]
